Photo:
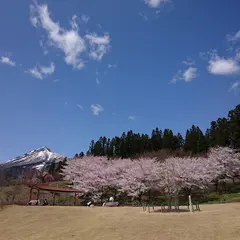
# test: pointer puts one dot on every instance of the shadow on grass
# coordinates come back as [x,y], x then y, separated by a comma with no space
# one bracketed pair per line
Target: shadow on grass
[169,211]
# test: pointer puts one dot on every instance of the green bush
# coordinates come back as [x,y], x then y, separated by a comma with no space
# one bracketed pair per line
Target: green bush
[230,196]
[212,197]
[64,200]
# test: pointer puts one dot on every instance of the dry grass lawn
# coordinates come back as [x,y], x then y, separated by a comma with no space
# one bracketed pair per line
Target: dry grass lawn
[220,222]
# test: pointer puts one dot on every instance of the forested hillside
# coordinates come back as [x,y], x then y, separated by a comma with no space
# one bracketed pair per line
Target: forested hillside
[223,132]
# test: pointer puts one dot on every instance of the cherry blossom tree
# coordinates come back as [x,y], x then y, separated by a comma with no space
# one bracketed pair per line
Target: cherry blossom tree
[137,176]
[95,175]
[91,175]
[229,161]
[98,175]
[187,173]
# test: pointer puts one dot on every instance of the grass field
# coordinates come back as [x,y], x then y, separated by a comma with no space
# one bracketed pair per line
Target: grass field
[220,222]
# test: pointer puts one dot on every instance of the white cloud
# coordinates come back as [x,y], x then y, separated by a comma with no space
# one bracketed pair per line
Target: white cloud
[33,17]
[205,55]
[186,74]
[155,3]
[80,107]
[56,80]
[189,62]
[177,77]
[42,72]
[99,45]
[112,66]
[35,73]
[45,51]
[47,70]
[85,18]
[233,37]
[234,87]
[69,41]
[74,23]
[143,16]
[190,74]
[8,61]
[97,80]
[223,66]
[96,109]
[74,46]
[237,57]
[131,118]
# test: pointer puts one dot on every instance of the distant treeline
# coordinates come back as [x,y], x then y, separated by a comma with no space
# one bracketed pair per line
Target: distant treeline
[222,132]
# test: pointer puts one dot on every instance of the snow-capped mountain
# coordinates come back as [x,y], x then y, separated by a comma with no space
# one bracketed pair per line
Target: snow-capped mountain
[38,158]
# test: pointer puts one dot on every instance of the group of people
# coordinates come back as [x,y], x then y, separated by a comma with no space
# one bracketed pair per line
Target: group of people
[38,202]
[110,203]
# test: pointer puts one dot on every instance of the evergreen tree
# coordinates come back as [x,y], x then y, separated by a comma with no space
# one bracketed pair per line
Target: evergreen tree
[131,144]
[218,134]
[201,141]
[156,139]
[62,164]
[177,141]
[103,141]
[97,149]
[222,132]
[167,139]
[195,141]
[123,145]
[81,155]
[234,127]
[65,161]
[152,140]
[188,141]
[144,143]
[52,167]
[208,137]
[110,147]
[139,143]
[180,140]
[91,148]
[117,147]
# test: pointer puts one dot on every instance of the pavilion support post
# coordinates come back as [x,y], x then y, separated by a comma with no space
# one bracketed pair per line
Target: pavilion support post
[53,199]
[38,193]
[190,203]
[30,194]
[75,198]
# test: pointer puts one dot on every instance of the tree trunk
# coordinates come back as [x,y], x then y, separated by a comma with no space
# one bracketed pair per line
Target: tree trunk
[216,184]
[170,204]
[234,181]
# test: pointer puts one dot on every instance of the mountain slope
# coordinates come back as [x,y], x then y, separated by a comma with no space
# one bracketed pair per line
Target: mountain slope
[38,158]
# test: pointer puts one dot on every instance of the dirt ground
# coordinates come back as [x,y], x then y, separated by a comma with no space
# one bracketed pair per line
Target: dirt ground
[220,222]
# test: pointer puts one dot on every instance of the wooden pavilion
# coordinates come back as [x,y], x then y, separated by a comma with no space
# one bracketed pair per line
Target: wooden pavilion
[53,190]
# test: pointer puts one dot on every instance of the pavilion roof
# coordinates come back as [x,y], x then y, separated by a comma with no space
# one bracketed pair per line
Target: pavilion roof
[45,187]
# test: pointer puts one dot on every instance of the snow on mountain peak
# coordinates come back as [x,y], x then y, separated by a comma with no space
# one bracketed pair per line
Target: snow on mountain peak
[35,158]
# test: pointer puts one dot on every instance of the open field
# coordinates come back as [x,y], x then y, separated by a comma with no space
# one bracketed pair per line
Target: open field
[220,222]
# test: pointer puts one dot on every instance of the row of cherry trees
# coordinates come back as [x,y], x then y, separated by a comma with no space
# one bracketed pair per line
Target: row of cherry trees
[98,175]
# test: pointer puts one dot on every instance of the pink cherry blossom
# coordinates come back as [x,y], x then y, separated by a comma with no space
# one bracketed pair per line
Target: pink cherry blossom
[96,175]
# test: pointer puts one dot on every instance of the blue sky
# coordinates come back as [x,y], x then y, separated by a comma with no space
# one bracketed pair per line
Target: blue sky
[73,70]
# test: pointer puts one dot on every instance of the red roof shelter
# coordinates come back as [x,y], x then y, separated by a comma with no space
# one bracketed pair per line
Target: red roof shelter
[54,190]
